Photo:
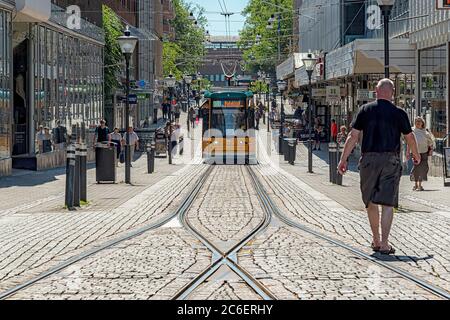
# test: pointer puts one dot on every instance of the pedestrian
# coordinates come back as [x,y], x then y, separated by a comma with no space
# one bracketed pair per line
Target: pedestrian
[257,117]
[116,138]
[177,111]
[318,129]
[101,133]
[44,139]
[192,116]
[146,123]
[59,135]
[298,113]
[425,143]
[380,167]
[342,136]
[165,109]
[334,130]
[134,141]
[262,111]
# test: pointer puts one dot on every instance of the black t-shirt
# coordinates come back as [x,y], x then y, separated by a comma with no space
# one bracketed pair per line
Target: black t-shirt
[382,124]
[102,134]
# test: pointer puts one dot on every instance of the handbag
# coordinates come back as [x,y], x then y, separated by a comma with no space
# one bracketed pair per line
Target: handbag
[122,157]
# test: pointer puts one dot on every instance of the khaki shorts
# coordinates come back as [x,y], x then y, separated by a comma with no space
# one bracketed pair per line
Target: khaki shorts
[380,178]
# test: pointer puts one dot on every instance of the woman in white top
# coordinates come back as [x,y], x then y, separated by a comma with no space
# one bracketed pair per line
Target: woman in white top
[425,142]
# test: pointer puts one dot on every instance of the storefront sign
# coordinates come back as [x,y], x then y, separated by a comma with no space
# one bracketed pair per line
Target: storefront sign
[365,95]
[433,94]
[319,93]
[333,94]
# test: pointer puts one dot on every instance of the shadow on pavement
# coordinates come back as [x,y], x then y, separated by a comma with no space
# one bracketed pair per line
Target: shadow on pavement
[396,258]
[26,178]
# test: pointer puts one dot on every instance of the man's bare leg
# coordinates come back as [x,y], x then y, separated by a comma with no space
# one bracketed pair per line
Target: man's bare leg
[386,223]
[374,219]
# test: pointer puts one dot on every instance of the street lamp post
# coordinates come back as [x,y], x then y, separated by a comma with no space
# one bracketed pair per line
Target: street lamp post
[281,87]
[386,8]
[267,80]
[170,83]
[188,80]
[310,63]
[127,44]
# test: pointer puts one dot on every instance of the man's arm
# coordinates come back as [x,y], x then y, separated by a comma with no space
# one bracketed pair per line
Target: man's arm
[350,144]
[412,145]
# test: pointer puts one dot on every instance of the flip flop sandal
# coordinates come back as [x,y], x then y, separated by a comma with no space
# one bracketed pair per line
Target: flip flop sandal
[388,252]
[375,248]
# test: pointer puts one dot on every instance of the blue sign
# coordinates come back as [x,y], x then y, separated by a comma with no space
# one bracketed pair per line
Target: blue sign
[133,98]
[142,83]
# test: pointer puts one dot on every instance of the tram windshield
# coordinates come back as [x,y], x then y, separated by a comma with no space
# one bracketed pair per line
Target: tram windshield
[228,121]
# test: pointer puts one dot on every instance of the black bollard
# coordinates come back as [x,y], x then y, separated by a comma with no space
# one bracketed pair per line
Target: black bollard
[70,175]
[339,151]
[333,149]
[83,172]
[76,184]
[151,158]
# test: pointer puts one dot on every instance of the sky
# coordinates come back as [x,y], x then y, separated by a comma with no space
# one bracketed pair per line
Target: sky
[217,26]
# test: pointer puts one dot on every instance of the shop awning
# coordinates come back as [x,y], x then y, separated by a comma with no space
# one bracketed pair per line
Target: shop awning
[287,68]
[366,56]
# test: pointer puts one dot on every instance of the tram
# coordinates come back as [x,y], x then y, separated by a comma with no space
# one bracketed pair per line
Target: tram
[228,127]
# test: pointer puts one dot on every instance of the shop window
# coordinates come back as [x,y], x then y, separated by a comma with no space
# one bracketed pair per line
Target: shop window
[433,66]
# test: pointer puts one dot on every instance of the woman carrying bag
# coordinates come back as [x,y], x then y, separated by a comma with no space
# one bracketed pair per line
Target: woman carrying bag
[426,144]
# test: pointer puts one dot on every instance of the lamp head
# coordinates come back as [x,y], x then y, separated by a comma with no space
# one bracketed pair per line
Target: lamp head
[188,79]
[281,85]
[171,81]
[309,61]
[127,42]
[386,5]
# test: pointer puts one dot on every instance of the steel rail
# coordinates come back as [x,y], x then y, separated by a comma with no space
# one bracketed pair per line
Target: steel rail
[226,258]
[404,274]
[189,198]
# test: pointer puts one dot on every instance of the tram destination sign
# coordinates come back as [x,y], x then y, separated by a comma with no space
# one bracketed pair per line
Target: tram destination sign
[229,104]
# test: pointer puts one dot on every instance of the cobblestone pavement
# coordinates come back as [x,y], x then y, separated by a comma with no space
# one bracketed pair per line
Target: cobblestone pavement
[295,265]
[225,285]
[421,237]
[155,265]
[34,241]
[227,209]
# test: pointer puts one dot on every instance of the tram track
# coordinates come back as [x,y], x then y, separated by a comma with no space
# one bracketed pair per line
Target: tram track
[185,203]
[226,258]
[274,210]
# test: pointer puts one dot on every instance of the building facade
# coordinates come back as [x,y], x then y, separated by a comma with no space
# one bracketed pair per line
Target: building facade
[223,59]
[57,83]
[431,36]
[6,85]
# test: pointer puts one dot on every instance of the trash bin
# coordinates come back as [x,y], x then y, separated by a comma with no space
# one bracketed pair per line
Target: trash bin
[292,151]
[105,163]
[285,149]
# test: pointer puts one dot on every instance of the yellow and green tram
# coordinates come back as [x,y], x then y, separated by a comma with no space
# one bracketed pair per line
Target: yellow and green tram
[229,127]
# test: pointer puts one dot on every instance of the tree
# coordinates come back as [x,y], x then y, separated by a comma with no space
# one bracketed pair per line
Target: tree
[185,53]
[113,28]
[263,54]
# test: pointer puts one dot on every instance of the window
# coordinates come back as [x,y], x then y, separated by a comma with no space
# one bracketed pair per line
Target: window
[433,64]
[5,84]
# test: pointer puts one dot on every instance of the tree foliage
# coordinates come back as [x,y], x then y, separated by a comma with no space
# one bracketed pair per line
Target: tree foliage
[113,28]
[184,54]
[264,55]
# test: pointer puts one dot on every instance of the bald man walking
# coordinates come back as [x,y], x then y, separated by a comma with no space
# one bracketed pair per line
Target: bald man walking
[382,124]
